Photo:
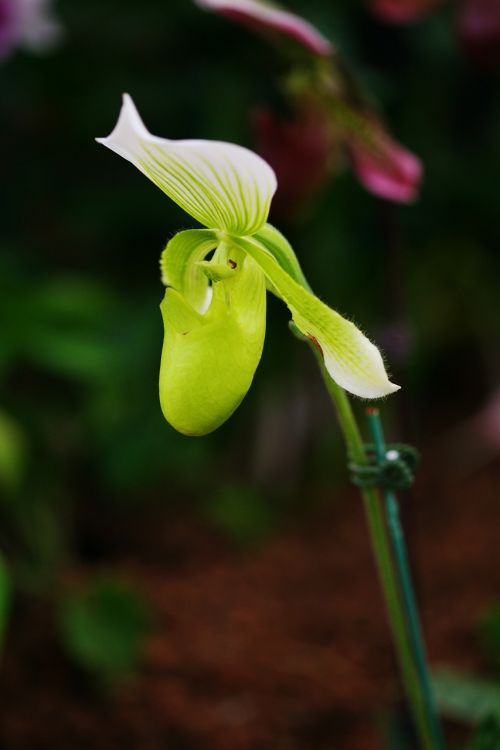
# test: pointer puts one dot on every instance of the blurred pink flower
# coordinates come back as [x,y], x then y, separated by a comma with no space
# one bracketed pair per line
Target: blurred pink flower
[386,168]
[479,30]
[28,24]
[402,11]
[8,27]
[268,17]
[301,152]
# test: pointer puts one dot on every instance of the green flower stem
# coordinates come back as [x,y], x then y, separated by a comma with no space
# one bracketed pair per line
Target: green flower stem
[407,591]
[382,550]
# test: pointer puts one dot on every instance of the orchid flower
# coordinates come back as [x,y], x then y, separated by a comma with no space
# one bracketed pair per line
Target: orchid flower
[381,165]
[29,24]
[214,311]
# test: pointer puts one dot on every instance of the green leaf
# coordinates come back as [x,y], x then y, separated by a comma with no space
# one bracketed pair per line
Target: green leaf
[465,697]
[5,598]
[12,453]
[350,358]
[489,630]
[208,361]
[103,627]
[242,514]
[221,185]
[487,735]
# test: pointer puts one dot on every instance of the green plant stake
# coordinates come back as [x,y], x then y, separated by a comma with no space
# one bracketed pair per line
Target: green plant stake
[383,456]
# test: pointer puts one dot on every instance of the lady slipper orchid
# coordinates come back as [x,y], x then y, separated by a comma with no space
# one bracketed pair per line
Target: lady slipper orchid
[214,311]
[268,17]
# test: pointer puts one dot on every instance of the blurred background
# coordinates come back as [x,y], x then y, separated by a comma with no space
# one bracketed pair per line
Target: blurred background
[158,591]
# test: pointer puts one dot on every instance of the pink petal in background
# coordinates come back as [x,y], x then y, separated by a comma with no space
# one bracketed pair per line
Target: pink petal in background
[29,24]
[385,168]
[479,30]
[402,11]
[301,152]
[267,17]
[8,27]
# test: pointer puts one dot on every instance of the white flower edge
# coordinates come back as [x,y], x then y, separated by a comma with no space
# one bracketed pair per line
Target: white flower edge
[221,185]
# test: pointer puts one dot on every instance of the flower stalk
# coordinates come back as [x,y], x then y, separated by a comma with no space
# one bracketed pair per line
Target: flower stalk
[405,629]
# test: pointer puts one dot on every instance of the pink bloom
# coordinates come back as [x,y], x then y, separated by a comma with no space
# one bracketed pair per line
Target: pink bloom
[385,168]
[402,11]
[28,24]
[479,30]
[267,17]
[301,153]
[8,27]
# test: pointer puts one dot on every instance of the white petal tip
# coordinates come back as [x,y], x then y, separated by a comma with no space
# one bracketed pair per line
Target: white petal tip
[127,131]
[378,391]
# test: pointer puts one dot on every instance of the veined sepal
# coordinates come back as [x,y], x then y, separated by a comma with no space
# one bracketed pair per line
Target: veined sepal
[222,185]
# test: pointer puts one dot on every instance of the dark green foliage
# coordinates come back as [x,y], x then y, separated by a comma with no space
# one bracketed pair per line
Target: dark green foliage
[5,598]
[103,628]
[245,516]
[489,630]
[466,698]
[486,736]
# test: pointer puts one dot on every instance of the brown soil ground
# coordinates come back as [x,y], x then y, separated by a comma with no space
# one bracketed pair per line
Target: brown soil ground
[283,648]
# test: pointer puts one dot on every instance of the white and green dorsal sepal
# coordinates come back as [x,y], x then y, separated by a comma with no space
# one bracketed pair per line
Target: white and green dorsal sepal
[221,185]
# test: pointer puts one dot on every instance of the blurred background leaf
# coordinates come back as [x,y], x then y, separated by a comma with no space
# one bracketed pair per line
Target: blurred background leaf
[466,698]
[103,628]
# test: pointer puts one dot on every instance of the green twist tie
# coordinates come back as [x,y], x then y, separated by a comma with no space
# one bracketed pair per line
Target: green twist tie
[395,472]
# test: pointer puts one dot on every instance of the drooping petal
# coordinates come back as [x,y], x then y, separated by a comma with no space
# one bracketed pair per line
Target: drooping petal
[350,358]
[384,167]
[208,362]
[266,16]
[179,267]
[221,185]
